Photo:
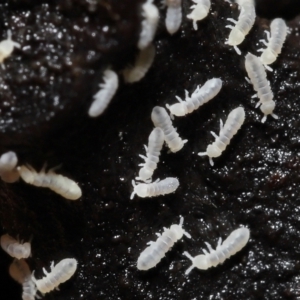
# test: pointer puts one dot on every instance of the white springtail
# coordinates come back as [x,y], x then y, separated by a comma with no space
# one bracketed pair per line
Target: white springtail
[7,47]
[199,97]
[160,118]
[14,248]
[233,123]
[149,24]
[142,64]
[234,243]
[261,85]
[200,11]
[155,143]
[156,188]
[243,25]
[153,254]
[8,163]
[106,93]
[173,16]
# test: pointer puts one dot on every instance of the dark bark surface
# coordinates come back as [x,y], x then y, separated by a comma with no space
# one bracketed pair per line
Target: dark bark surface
[45,91]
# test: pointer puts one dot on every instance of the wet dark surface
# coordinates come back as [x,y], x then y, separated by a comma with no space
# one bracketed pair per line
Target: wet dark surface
[45,92]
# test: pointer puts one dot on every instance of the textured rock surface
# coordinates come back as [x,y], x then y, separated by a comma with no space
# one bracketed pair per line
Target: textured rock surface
[45,92]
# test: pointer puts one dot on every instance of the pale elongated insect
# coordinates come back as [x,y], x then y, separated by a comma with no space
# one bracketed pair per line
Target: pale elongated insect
[20,272]
[160,118]
[233,123]
[149,24]
[234,243]
[156,188]
[173,16]
[243,25]
[275,41]
[199,97]
[106,93]
[15,248]
[200,11]
[60,273]
[155,143]
[8,163]
[153,254]
[61,185]
[261,85]
[141,65]
[7,47]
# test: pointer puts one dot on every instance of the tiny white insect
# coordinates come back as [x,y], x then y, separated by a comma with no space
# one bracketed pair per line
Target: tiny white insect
[233,123]
[20,272]
[8,163]
[234,243]
[156,188]
[15,248]
[160,118]
[7,47]
[141,65]
[149,24]
[199,97]
[106,93]
[275,42]
[243,25]
[200,11]
[59,273]
[173,16]
[261,85]
[61,185]
[155,143]
[153,254]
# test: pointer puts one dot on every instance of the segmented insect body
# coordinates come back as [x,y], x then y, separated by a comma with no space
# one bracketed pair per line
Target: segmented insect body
[173,16]
[153,254]
[160,118]
[141,66]
[14,248]
[154,189]
[20,272]
[155,143]
[106,93]
[233,123]
[235,242]
[60,273]
[149,24]
[199,97]
[7,47]
[261,85]
[61,185]
[243,25]
[275,42]
[8,163]
[200,11]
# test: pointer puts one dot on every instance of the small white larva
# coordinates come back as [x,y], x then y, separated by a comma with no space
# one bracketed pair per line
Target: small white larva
[8,163]
[149,24]
[141,65]
[200,11]
[155,143]
[15,248]
[106,93]
[234,243]
[20,272]
[7,47]
[243,25]
[160,118]
[59,273]
[173,16]
[156,188]
[261,85]
[233,123]
[61,185]
[153,254]
[275,42]
[199,97]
